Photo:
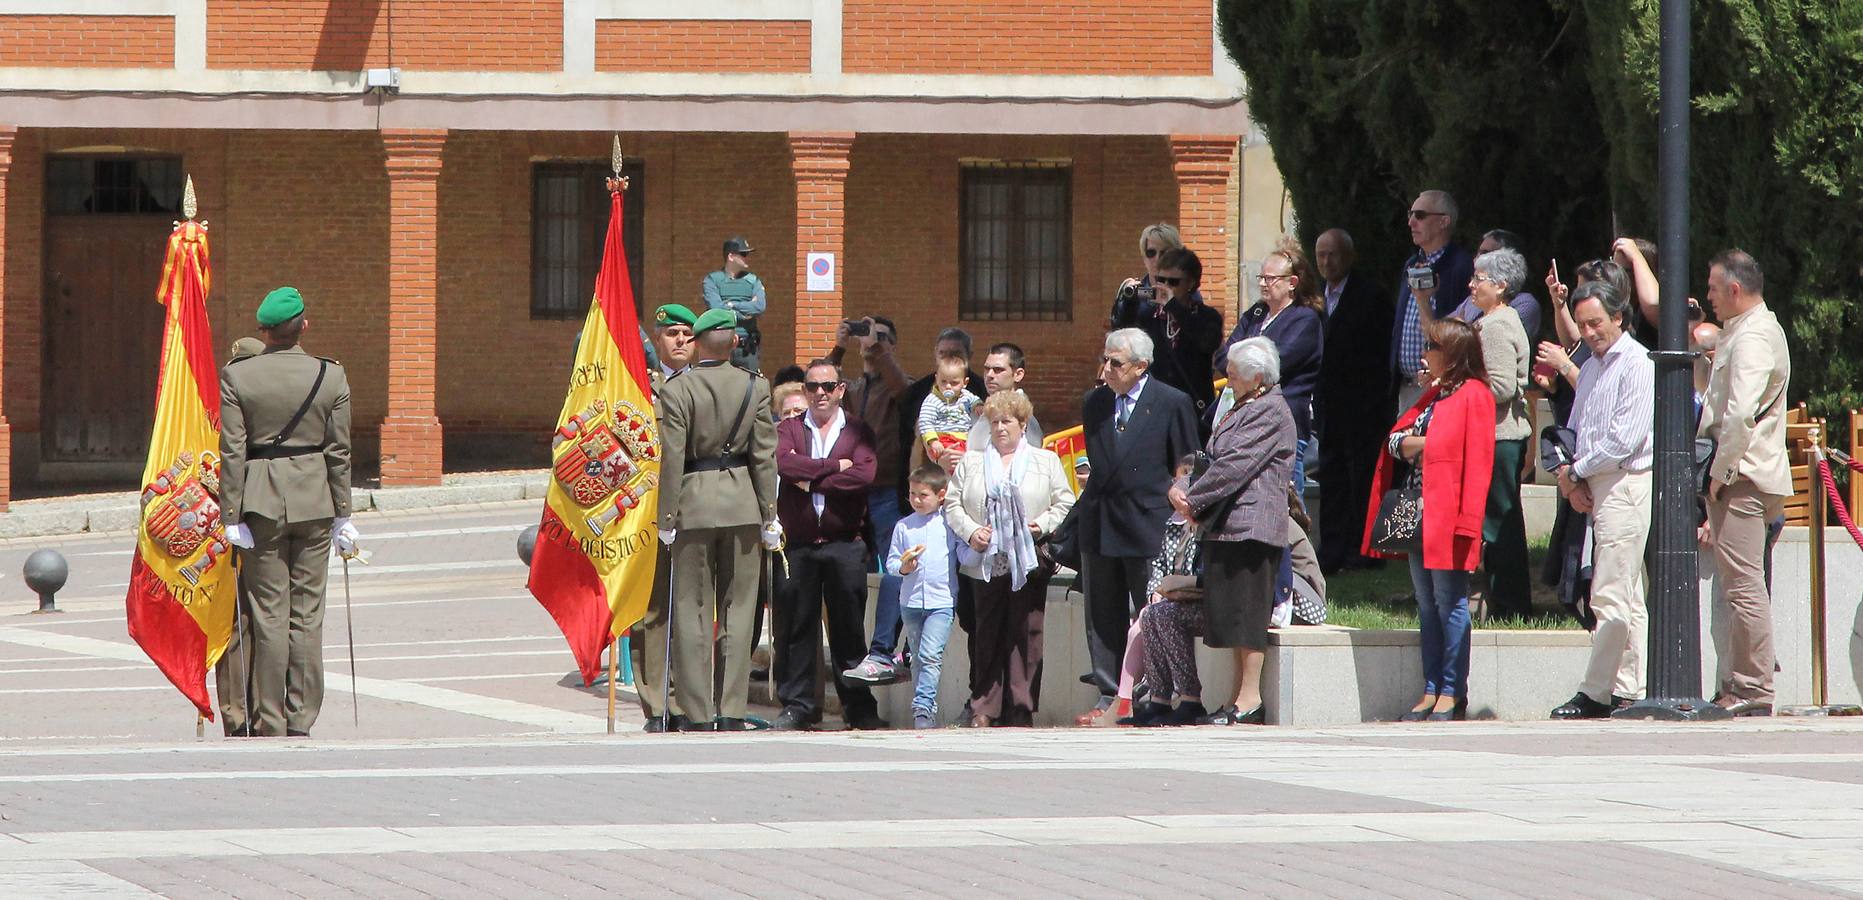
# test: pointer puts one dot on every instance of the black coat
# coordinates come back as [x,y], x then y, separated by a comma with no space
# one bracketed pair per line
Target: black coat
[1123,509]
[1352,396]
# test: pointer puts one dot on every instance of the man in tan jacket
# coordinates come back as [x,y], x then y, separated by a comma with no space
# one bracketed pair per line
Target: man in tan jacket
[284,494]
[1749,477]
[717,491]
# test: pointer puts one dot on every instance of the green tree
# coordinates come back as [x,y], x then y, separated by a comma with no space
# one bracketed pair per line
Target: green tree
[1540,116]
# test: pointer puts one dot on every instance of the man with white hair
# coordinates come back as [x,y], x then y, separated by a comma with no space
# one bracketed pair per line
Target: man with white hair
[1137,428]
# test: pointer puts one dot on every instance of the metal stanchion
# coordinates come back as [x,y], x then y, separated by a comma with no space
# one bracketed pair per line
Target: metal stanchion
[1823,490]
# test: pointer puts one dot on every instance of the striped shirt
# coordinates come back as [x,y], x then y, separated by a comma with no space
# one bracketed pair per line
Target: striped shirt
[1614,413]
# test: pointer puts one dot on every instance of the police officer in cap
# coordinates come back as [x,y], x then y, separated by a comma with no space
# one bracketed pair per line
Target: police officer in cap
[735,289]
[284,494]
[672,344]
[717,498]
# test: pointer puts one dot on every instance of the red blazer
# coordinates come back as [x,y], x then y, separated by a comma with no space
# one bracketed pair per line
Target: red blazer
[1458,462]
[844,516]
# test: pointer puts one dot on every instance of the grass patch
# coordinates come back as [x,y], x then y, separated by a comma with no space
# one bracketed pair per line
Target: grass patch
[1381,599]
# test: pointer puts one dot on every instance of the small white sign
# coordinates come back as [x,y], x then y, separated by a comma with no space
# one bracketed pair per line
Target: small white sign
[821,272]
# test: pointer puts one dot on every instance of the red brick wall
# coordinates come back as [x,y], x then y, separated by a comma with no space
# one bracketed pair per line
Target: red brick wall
[503,372]
[1097,37]
[24,285]
[701,45]
[471,35]
[101,41]
[902,246]
[1202,165]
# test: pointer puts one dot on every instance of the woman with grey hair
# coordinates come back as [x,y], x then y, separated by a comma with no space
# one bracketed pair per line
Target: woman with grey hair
[1137,297]
[1240,502]
[1507,353]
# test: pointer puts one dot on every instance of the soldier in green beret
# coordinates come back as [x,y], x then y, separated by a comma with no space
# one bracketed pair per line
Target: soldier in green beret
[284,494]
[717,499]
[734,288]
[672,343]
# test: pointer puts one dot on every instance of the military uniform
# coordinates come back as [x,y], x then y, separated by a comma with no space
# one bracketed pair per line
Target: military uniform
[717,489]
[287,492]
[744,298]
[232,672]
[647,640]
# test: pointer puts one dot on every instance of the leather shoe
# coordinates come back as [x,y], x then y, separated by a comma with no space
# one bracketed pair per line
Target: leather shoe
[791,720]
[1147,714]
[654,725]
[730,723]
[1230,715]
[697,726]
[1186,713]
[1750,708]
[293,732]
[1581,707]
[867,722]
[242,731]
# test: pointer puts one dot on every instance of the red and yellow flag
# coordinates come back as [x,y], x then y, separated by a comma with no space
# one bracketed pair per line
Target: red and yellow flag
[592,567]
[1070,445]
[183,584]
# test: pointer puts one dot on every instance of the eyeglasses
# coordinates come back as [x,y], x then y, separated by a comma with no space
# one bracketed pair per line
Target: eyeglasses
[1490,279]
[1169,280]
[1421,214]
[1151,252]
[824,387]
[1266,278]
[1112,363]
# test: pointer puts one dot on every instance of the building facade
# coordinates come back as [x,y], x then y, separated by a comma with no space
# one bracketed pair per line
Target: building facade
[428,173]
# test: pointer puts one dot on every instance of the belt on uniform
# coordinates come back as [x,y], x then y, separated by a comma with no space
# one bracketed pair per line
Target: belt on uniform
[718,463]
[270,452]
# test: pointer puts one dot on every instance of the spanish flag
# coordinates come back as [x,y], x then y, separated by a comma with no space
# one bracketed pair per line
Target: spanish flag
[592,567]
[183,584]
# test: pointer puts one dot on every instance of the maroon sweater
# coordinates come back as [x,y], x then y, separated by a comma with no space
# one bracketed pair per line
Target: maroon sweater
[844,515]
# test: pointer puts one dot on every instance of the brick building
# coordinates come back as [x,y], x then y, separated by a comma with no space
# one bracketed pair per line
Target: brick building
[985,163]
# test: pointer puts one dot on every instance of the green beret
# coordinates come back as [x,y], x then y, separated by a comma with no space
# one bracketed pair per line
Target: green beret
[280,306]
[674,314]
[714,318]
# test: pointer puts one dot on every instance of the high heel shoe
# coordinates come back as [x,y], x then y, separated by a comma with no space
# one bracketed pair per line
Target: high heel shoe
[1415,715]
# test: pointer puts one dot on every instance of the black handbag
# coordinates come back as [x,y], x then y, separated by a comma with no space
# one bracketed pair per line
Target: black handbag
[1062,545]
[1399,526]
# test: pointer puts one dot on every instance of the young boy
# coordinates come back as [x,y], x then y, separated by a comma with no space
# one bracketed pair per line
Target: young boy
[948,412]
[923,551]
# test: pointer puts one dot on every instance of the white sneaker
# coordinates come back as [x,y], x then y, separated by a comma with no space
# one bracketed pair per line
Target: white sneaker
[872,671]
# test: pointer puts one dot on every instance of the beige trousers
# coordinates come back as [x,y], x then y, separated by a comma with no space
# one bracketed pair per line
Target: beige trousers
[1620,527]
[284,575]
[648,640]
[715,576]
[1738,522]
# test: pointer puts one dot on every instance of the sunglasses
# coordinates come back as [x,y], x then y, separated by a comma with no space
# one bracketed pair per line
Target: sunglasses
[1151,252]
[1112,363]
[1421,214]
[1168,280]
[823,387]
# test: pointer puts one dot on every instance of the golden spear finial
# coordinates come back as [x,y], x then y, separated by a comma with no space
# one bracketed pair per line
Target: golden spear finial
[189,206]
[617,182]
[617,160]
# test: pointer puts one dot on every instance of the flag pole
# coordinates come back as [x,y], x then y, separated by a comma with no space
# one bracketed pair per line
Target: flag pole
[614,654]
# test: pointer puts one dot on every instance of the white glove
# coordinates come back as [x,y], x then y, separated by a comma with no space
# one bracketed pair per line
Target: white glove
[773,535]
[239,535]
[667,535]
[344,534]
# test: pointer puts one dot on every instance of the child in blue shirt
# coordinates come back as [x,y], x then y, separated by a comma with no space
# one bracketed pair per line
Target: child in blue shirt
[923,551]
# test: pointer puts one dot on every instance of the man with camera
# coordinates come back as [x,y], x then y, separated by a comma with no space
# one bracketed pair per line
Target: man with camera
[1609,478]
[1437,274]
[873,398]
[735,288]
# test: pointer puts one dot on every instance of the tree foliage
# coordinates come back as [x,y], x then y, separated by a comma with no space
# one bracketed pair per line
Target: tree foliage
[1540,117]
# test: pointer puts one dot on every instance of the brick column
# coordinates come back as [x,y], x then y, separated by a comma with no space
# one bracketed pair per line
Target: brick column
[411,433]
[7,135]
[820,163]
[1202,164]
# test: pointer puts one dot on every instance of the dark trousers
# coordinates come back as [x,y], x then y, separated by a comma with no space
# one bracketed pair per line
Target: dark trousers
[1510,586]
[1009,641]
[966,607]
[831,575]
[1347,463]
[1115,591]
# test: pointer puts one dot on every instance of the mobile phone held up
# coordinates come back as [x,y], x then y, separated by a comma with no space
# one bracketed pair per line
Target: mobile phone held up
[859,327]
[1422,278]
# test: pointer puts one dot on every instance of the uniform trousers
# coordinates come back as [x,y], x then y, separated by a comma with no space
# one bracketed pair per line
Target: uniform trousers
[647,640]
[715,575]
[284,575]
[1620,524]
[232,675]
[1738,520]
[831,575]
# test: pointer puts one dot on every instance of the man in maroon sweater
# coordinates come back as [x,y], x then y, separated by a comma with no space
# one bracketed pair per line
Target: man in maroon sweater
[824,465]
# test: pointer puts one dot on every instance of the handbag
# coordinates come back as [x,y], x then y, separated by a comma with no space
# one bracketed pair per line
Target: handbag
[1183,578]
[1399,526]
[1061,547]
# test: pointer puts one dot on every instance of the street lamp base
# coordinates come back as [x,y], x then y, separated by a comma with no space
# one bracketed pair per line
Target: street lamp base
[1669,709]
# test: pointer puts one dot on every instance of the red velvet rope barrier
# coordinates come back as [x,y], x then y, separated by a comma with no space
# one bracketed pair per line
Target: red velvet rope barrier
[1837,502]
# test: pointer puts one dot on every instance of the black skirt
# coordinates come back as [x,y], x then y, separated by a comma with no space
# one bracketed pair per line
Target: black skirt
[1238,592]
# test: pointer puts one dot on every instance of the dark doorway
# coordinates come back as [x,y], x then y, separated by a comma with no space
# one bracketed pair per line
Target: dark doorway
[106,227]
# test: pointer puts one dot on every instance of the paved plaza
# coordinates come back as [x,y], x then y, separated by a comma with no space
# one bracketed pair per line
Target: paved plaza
[480,769]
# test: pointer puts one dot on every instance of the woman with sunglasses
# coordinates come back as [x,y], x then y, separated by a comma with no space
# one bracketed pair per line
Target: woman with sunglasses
[1137,298]
[1448,438]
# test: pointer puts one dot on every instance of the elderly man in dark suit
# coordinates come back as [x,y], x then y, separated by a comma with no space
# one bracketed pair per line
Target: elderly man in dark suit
[825,462]
[1352,421]
[1137,428]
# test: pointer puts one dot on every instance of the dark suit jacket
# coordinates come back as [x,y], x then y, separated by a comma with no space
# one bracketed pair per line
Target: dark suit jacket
[1299,334]
[1251,460]
[1453,271]
[1358,334]
[1123,509]
[844,516]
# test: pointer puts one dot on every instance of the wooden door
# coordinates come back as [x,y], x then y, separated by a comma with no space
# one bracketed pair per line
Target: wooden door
[103,336]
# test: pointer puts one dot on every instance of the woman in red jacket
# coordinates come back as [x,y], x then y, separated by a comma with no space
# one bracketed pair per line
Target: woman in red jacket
[1449,433]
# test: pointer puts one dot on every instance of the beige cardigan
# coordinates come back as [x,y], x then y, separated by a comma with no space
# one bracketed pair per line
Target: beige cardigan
[1046,495]
[1508,354]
